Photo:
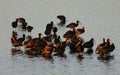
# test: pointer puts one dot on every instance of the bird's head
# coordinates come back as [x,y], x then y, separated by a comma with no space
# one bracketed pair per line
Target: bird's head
[23,35]
[78,21]
[92,39]
[103,40]
[108,40]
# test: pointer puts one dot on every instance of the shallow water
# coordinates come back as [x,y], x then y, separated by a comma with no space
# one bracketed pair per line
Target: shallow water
[101,19]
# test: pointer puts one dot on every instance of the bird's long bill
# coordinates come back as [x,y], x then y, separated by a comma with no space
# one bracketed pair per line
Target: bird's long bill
[80,23]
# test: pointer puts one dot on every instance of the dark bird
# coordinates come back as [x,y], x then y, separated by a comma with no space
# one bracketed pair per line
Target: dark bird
[49,26]
[55,29]
[14,25]
[89,44]
[21,39]
[111,47]
[17,42]
[73,25]
[29,29]
[60,49]
[57,40]
[22,21]
[69,34]
[102,44]
[104,49]
[24,25]
[80,30]
[62,19]
[37,39]
[47,32]
[47,51]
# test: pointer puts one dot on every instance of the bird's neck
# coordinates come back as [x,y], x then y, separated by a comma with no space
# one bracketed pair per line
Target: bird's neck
[39,36]
[77,23]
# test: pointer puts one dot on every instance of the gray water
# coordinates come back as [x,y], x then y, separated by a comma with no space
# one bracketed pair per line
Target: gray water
[100,17]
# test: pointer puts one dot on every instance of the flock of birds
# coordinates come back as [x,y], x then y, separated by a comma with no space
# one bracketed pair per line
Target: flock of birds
[51,44]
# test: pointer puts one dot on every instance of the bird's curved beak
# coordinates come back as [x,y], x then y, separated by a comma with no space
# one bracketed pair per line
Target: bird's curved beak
[80,23]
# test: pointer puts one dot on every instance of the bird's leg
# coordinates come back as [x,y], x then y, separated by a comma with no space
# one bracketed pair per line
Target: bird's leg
[89,50]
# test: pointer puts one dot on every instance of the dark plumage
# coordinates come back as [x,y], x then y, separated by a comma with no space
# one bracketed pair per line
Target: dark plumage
[55,29]
[104,49]
[110,48]
[21,39]
[80,31]
[69,34]
[89,44]
[47,51]
[24,25]
[14,24]
[73,25]
[49,26]
[17,42]
[37,40]
[102,44]
[29,28]
[57,40]
[47,32]
[60,49]
[62,19]
[22,20]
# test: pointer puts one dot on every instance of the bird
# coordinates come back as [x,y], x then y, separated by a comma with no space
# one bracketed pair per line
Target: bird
[57,39]
[100,46]
[111,47]
[49,26]
[29,29]
[24,25]
[62,19]
[69,34]
[17,42]
[80,30]
[47,51]
[21,21]
[103,44]
[47,32]
[55,29]
[73,25]
[37,39]
[14,25]
[21,40]
[89,44]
